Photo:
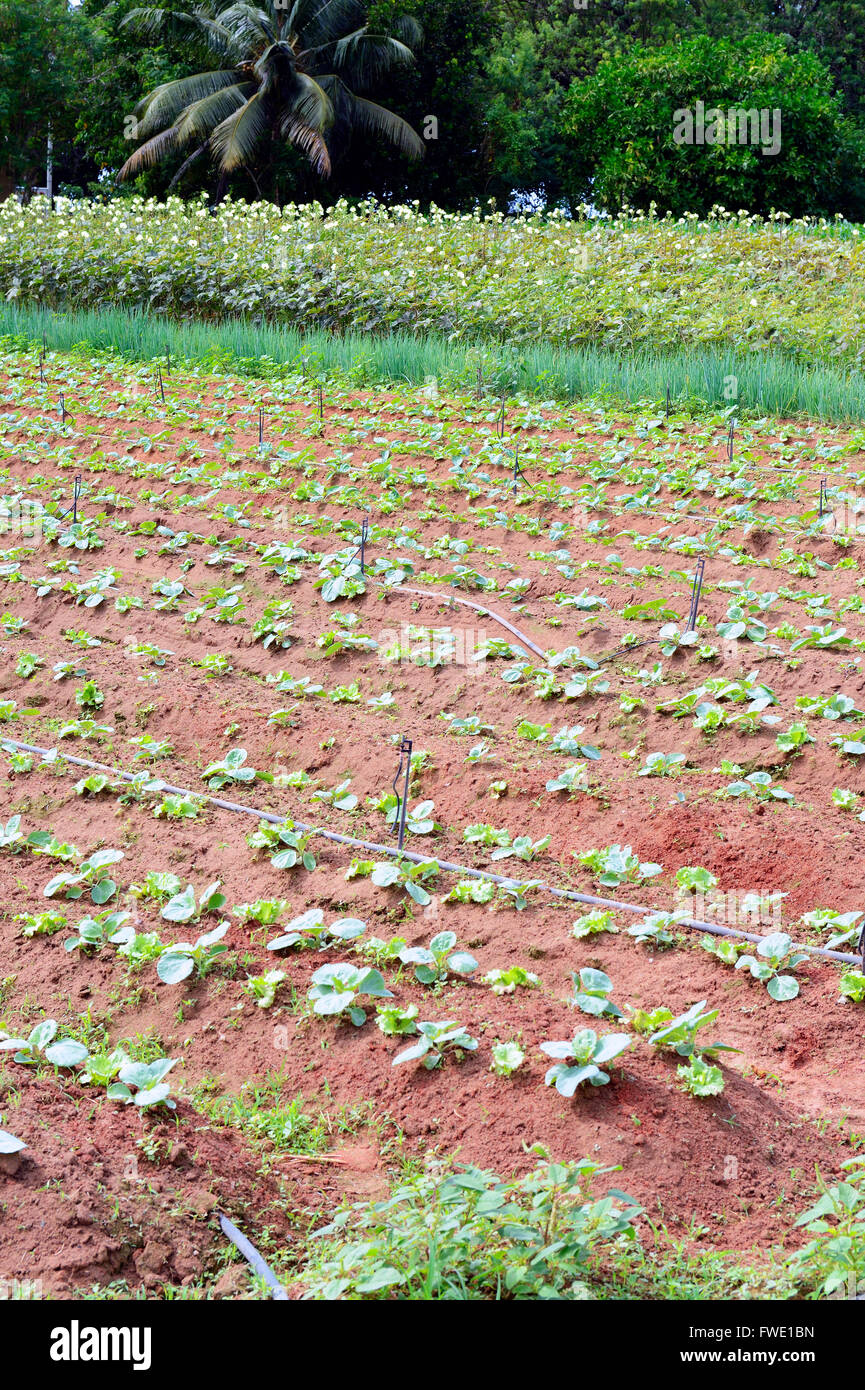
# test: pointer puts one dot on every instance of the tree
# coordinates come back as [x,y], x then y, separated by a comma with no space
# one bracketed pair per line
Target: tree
[43,47]
[630,142]
[288,77]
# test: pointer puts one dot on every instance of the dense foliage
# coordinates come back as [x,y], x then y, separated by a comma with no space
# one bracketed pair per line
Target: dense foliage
[743,282]
[502,94]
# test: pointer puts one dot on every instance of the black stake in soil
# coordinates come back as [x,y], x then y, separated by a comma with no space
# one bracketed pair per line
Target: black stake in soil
[63,411]
[823,496]
[402,801]
[76,493]
[501,420]
[161,386]
[364,537]
[260,427]
[730,444]
[41,372]
[695,595]
[321,404]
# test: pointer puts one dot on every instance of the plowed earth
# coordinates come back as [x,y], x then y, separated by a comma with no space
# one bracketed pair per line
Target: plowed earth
[86,1203]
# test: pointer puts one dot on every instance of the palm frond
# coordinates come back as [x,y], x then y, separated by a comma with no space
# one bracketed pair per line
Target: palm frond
[166,102]
[149,154]
[203,116]
[378,120]
[152,22]
[309,141]
[312,106]
[320,22]
[234,141]
[365,57]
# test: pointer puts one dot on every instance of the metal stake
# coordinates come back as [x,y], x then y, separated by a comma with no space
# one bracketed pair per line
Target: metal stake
[76,493]
[260,427]
[695,595]
[364,537]
[730,444]
[402,801]
[321,404]
[161,386]
[823,495]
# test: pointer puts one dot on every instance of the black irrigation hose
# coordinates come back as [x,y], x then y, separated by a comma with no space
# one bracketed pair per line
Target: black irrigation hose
[567,894]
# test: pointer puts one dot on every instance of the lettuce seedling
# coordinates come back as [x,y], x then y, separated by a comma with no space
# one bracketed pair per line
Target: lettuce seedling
[723,948]
[142,1084]
[179,960]
[433,963]
[157,886]
[579,1059]
[591,988]
[617,864]
[700,1078]
[507,1058]
[265,911]
[309,929]
[41,923]
[41,1047]
[102,1068]
[335,988]
[598,920]
[852,986]
[471,890]
[508,981]
[396,1022]
[263,987]
[695,880]
[775,953]
[435,1042]
[758,785]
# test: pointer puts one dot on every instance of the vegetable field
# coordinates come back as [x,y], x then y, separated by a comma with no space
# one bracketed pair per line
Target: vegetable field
[619,950]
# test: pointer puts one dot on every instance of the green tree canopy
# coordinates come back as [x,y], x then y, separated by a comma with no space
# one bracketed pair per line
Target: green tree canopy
[621,124]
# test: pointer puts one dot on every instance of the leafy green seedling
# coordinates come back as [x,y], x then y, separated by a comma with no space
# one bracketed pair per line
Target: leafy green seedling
[95,932]
[507,1058]
[591,988]
[701,1078]
[617,864]
[433,963]
[143,1084]
[435,1042]
[579,1059]
[680,1035]
[774,954]
[508,981]
[179,960]
[309,929]
[598,920]
[183,906]
[263,987]
[41,1047]
[336,987]
[396,1022]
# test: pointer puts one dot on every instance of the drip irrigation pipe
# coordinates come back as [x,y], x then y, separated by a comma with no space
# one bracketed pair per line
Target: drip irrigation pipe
[567,894]
[250,1253]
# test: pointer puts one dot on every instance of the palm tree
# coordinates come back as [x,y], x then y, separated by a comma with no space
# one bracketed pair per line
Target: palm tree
[289,69]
